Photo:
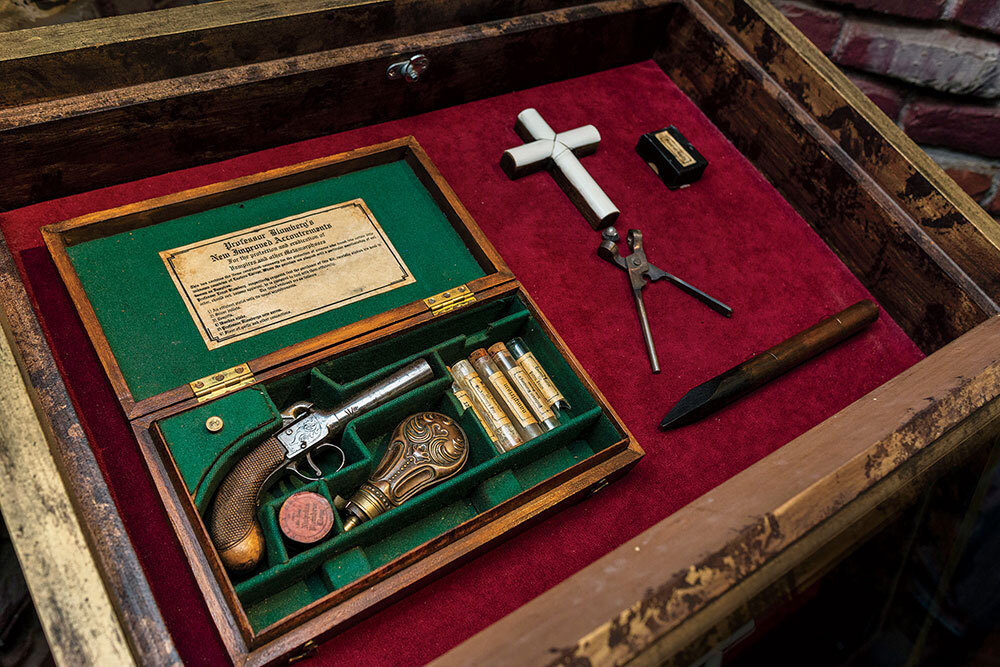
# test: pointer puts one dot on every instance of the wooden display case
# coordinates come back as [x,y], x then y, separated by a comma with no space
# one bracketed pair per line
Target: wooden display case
[905,230]
[587,451]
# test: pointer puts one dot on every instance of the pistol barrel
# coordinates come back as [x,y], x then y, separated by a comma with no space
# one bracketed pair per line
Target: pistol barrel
[407,378]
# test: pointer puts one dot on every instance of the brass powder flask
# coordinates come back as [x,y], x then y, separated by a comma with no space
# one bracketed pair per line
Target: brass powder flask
[425,449]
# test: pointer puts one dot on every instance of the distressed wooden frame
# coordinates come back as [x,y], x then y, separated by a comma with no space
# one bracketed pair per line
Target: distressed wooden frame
[936,274]
[115,561]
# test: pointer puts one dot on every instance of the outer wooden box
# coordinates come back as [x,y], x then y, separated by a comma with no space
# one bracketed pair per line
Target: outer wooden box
[927,252]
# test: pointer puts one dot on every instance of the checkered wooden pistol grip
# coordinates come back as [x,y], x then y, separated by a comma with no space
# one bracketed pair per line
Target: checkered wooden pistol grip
[232,519]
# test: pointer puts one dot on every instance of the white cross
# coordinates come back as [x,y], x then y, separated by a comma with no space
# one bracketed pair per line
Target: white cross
[559,152]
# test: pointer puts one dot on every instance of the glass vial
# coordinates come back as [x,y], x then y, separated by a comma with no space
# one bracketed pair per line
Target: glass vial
[525,387]
[486,405]
[546,387]
[463,398]
[525,423]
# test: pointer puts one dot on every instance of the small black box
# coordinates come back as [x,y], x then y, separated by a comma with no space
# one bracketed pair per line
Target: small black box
[672,157]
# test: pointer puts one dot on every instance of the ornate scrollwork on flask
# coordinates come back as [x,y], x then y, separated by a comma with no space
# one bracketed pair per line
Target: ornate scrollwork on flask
[425,449]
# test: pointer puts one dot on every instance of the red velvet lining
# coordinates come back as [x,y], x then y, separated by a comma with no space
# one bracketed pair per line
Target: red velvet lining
[730,234]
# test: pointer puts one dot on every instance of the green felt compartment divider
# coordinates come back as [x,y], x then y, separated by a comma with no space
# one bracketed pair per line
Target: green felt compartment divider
[279,605]
[412,534]
[324,392]
[555,461]
[495,490]
[327,392]
[344,568]
[275,550]
[287,390]
[603,431]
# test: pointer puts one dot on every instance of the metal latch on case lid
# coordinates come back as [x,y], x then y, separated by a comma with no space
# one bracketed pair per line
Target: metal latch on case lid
[599,486]
[408,70]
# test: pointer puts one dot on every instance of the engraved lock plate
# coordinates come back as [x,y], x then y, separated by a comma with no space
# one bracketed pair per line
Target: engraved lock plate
[298,435]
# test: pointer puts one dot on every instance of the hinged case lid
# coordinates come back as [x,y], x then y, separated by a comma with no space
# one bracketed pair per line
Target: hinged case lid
[148,321]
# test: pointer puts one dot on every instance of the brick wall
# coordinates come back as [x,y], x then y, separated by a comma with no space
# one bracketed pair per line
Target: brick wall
[933,66]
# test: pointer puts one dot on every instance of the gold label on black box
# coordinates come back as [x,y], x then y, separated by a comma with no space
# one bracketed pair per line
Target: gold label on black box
[683,157]
[244,283]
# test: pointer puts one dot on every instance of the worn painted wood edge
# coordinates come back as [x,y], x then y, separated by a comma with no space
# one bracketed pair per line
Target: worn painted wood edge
[71,488]
[633,597]
[847,206]
[892,133]
[899,165]
[57,61]
[147,26]
[95,33]
[74,608]
[794,570]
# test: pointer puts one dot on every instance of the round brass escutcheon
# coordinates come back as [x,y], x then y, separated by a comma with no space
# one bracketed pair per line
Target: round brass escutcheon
[214,424]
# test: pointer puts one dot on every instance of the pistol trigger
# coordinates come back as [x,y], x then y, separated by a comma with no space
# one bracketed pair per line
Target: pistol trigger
[294,467]
[312,464]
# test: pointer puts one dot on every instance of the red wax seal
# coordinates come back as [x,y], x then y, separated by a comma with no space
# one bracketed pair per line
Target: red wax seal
[306,517]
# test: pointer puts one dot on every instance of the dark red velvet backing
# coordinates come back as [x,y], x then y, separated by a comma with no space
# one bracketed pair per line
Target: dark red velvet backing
[730,234]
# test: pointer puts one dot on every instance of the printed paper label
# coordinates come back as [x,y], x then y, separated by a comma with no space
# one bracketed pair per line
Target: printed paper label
[245,283]
[463,399]
[527,389]
[493,408]
[505,391]
[546,387]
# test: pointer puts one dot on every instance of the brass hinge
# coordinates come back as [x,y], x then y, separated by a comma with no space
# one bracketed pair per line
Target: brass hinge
[222,383]
[450,300]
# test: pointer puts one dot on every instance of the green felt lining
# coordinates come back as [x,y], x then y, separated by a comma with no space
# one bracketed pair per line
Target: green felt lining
[248,417]
[148,327]
[294,576]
